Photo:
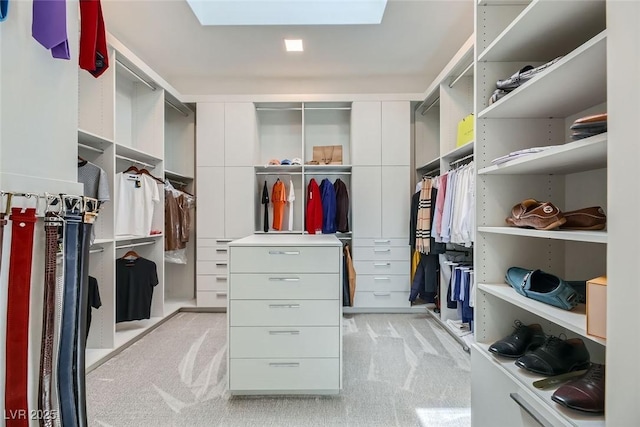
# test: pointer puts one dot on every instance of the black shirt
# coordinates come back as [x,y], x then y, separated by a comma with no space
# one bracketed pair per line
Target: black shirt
[93,299]
[265,202]
[135,279]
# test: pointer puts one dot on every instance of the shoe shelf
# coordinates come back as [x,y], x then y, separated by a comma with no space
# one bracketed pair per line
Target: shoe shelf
[574,320]
[570,235]
[577,156]
[575,82]
[526,379]
[563,26]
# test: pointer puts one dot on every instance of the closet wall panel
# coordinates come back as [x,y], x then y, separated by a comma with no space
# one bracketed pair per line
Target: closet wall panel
[211,207]
[210,134]
[396,133]
[366,133]
[396,201]
[366,200]
[241,138]
[239,191]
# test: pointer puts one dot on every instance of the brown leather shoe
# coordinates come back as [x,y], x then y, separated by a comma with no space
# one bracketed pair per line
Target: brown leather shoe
[592,218]
[585,393]
[534,214]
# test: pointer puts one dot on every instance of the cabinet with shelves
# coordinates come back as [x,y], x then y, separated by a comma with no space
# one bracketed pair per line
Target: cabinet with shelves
[572,175]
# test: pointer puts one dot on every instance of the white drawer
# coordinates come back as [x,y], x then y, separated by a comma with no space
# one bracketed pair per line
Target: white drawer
[214,253]
[382,299]
[283,259]
[284,374]
[389,253]
[209,243]
[284,342]
[212,283]
[382,267]
[284,313]
[212,267]
[212,298]
[381,242]
[285,286]
[381,282]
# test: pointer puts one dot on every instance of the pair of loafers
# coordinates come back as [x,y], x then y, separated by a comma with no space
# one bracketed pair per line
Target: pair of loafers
[531,213]
[546,288]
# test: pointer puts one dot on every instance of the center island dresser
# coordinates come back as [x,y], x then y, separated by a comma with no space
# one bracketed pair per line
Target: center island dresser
[285,314]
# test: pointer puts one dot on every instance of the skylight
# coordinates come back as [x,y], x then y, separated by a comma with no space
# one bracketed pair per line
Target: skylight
[288,12]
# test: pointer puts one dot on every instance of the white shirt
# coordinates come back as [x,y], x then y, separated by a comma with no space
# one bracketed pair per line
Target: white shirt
[291,197]
[136,196]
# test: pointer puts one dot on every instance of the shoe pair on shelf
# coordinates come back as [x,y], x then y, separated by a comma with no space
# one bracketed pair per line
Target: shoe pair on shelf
[531,213]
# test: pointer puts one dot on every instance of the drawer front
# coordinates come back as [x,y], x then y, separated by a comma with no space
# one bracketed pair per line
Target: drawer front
[389,253]
[284,342]
[212,283]
[213,253]
[382,299]
[284,313]
[382,267]
[212,298]
[212,267]
[382,242]
[382,282]
[284,374]
[285,286]
[283,259]
[209,243]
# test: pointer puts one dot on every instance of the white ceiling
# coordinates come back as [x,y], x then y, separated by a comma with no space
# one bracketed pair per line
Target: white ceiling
[403,54]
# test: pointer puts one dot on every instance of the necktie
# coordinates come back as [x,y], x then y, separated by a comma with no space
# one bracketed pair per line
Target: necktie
[49,26]
[93,40]
[4,9]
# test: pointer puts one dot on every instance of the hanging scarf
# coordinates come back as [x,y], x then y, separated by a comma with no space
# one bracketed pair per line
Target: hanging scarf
[423,230]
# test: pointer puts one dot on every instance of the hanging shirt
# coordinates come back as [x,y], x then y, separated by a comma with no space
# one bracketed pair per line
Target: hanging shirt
[137,195]
[342,206]
[93,299]
[314,208]
[328,195]
[95,181]
[291,197]
[265,202]
[135,280]
[279,199]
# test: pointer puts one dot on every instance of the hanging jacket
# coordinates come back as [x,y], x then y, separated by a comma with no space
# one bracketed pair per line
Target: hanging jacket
[314,208]
[265,202]
[351,274]
[342,206]
[328,194]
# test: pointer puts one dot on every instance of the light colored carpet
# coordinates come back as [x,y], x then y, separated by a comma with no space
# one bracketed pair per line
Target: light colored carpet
[398,370]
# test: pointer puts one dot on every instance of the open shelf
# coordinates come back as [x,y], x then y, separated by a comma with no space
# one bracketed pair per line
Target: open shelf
[572,235]
[92,140]
[279,168]
[130,238]
[176,175]
[136,155]
[577,156]
[319,169]
[526,379]
[459,152]
[564,24]
[574,83]
[102,241]
[574,320]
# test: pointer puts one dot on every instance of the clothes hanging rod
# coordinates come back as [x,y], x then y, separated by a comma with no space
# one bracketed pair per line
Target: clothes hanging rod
[96,250]
[461,75]
[88,147]
[278,173]
[180,183]
[470,156]
[137,162]
[134,74]
[430,106]
[328,108]
[176,108]
[133,245]
[279,108]
[327,173]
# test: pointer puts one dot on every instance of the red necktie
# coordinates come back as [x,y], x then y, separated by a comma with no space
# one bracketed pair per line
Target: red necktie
[93,40]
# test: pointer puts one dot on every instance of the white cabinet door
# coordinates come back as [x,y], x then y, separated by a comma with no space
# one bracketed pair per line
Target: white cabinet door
[210,188]
[396,201]
[239,203]
[240,134]
[210,134]
[366,197]
[396,133]
[365,133]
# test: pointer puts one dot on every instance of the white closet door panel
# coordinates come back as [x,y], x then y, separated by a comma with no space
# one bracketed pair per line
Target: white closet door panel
[210,134]
[396,201]
[366,133]
[210,189]
[396,133]
[240,134]
[366,198]
[239,197]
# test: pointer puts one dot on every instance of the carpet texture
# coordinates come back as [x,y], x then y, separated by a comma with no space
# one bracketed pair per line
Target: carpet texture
[398,370]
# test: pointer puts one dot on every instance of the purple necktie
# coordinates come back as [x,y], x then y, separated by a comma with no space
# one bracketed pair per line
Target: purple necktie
[49,26]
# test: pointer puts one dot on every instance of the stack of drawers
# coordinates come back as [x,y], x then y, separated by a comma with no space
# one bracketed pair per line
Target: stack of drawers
[383,268]
[285,312]
[212,269]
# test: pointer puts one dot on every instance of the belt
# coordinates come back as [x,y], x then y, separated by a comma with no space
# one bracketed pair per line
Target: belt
[17,344]
[3,222]
[52,227]
[66,358]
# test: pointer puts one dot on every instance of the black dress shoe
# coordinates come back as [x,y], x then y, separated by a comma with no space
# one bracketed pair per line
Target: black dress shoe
[556,356]
[585,393]
[523,339]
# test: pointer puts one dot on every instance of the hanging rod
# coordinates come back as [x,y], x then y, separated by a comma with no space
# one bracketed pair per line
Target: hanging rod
[133,245]
[430,106]
[327,173]
[461,75]
[279,108]
[470,156]
[328,108]
[180,183]
[138,162]
[134,74]
[176,108]
[429,173]
[96,250]
[88,147]
[278,173]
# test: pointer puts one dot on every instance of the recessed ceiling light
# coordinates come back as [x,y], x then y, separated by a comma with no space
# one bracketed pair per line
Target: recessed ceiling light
[293,45]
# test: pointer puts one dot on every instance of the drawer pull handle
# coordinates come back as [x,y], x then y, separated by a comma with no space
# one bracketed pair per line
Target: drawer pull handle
[381,241]
[221,264]
[382,250]
[382,294]
[284,279]
[382,278]
[284,252]
[381,264]
[285,364]
[284,305]
[221,278]
[221,294]
[530,410]
[221,249]
[284,332]
[224,240]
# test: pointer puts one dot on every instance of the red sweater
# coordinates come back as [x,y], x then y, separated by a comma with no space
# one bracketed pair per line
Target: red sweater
[314,208]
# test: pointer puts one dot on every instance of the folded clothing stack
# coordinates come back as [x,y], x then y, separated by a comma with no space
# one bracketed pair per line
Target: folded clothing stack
[516,80]
[588,126]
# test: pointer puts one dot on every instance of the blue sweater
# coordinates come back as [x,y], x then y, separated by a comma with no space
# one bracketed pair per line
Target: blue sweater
[328,195]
